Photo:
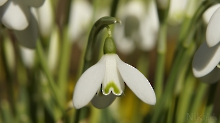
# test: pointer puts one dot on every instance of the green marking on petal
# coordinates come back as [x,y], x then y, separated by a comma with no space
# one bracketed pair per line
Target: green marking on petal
[111,85]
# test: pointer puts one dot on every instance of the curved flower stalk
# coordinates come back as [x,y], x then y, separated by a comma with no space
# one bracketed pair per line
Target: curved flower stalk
[207,58]
[16,15]
[80,16]
[140,26]
[104,81]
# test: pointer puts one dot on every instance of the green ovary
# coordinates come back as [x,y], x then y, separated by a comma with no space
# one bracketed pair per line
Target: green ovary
[111,85]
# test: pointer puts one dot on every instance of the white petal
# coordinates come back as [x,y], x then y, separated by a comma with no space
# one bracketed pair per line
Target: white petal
[15,15]
[205,59]
[103,101]
[212,77]
[53,49]
[88,84]
[27,56]
[137,82]
[34,3]
[209,12]
[28,37]
[112,80]
[213,29]
[2,2]
[45,19]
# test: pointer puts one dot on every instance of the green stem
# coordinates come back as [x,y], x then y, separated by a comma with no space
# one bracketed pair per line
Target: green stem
[6,113]
[184,100]
[186,41]
[97,27]
[64,65]
[114,7]
[184,55]
[160,65]
[210,103]
[196,103]
[45,68]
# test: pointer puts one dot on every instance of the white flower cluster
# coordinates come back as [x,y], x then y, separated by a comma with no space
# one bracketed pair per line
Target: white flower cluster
[207,58]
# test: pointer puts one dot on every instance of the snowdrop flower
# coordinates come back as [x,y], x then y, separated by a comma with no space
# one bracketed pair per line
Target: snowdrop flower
[16,15]
[80,16]
[140,26]
[207,58]
[104,81]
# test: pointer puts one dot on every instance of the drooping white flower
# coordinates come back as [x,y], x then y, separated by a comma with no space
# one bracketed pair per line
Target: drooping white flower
[108,77]
[140,26]
[207,57]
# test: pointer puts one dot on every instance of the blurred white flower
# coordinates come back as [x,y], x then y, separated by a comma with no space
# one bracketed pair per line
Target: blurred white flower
[80,17]
[53,49]
[177,11]
[16,15]
[207,58]
[44,16]
[109,75]
[139,27]
[27,56]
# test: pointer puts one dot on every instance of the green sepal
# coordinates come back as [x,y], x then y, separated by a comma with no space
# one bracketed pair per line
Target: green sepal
[109,46]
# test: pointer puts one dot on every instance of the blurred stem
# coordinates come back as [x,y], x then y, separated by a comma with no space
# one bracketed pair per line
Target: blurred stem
[97,27]
[196,103]
[160,65]
[64,66]
[40,114]
[114,7]
[210,103]
[181,50]
[184,99]
[9,76]
[6,113]
[45,68]
[185,54]
[161,47]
